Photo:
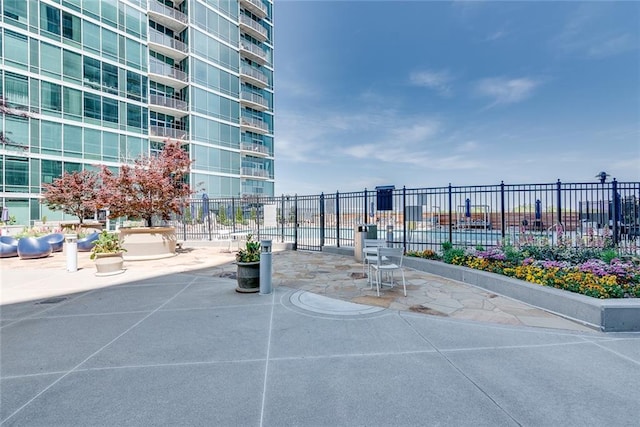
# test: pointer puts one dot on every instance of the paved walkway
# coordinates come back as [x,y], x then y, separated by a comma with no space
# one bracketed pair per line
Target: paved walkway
[170,342]
[334,276]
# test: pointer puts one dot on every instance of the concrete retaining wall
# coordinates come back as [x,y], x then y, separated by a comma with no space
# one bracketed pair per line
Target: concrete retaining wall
[611,315]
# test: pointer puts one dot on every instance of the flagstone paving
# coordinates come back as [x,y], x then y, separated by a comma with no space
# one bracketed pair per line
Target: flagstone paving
[334,276]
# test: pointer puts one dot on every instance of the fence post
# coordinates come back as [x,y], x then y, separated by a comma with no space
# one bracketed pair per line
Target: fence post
[295,222]
[233,213]
[614,211]
[404,218]
[503,224]
[322,220]
[365,219]
[338,219]
[450,215]
[184,225]
[258,209]
[559,202]
[282,218]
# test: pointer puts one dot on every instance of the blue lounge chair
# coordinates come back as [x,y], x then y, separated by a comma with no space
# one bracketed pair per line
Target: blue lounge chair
[31,248]
[86,243]
[8,247]
[56,240]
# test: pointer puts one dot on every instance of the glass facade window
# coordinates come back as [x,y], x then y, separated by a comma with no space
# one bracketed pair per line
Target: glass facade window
[72,102]
[16,49]
[92,144]
[215,105]
[51,97]
[72,141]
[16,10]
[16,174]
[109,110]
[211,49]
[134,116]
[92,106]
[91,38]
[71,27]
[109,12]
[50,60]
[51,138]
[72,66]
[16,89]
[110,146]
[110,78]
[49,19]
[92,74]
[109,44]
[51,169]
[17,130]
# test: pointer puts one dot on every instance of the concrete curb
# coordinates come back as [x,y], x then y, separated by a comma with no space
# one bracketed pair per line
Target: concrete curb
[612,315]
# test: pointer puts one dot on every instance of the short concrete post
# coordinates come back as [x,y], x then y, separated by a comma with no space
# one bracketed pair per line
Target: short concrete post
[72,252]
[389,236]
[265,267]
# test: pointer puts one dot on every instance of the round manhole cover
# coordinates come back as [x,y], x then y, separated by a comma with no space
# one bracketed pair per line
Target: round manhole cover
[323,305]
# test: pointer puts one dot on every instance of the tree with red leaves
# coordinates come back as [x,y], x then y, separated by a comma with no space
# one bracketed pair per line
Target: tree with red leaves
[73,193]
[151,187]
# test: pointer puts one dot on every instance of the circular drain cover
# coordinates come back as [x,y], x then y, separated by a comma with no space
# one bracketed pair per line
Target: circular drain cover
[323,305]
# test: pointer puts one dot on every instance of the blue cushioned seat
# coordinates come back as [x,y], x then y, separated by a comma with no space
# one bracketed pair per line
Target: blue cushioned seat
[56,240]
[31,247]
[8,247]
[86,243]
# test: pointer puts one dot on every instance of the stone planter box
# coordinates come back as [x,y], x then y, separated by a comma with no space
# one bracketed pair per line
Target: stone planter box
[608,315]
[145,243]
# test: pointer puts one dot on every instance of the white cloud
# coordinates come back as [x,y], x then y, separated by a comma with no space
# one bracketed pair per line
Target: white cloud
[467,147]
[436,80]
[495,36]
[584,34]
[506,91]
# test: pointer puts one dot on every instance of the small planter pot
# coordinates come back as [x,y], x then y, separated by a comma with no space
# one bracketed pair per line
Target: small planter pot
[109,264]
[248,277]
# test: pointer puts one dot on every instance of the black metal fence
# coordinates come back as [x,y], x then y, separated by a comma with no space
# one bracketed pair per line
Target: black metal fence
[572,214]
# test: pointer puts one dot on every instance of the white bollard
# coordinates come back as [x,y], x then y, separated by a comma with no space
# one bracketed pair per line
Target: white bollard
[72,252]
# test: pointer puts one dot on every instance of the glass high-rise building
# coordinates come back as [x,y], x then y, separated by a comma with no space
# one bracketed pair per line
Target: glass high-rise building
[89,82]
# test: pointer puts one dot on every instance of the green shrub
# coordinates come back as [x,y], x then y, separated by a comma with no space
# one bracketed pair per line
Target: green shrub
[608,255]
[452,254]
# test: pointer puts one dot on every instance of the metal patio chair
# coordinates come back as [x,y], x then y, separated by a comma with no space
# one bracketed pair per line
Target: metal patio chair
[388,261]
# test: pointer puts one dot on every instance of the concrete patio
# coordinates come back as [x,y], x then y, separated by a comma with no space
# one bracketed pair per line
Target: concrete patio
[170,342]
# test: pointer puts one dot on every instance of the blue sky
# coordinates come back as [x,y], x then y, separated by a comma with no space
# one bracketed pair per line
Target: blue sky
[423,93]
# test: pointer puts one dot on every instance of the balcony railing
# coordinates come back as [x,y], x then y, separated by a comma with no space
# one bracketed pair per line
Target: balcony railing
[165,101]
[156,6]
[255,123]
[163,39]
[254,98]
[159,67]
[254,148]
[255,6]
[255,172]
[255,50]
[165,132]
[254,73]
[257,28]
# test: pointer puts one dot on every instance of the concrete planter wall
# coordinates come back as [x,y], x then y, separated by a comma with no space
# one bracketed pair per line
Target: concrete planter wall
[610,315]
[145,243]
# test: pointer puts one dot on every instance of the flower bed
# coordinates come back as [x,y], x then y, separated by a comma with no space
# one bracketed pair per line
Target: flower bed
[608,277]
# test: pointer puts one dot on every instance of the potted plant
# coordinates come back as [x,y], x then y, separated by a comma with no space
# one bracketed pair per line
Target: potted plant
[107,253]
[248,262]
